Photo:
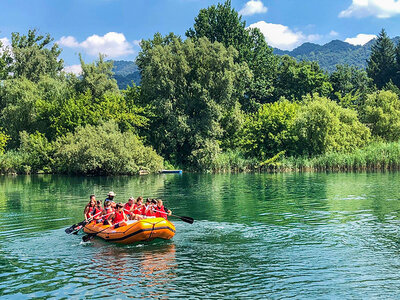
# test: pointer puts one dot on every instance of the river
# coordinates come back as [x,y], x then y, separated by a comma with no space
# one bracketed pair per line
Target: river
[311,235]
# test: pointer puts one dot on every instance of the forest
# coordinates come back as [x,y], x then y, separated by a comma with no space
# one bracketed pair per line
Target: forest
[216,100]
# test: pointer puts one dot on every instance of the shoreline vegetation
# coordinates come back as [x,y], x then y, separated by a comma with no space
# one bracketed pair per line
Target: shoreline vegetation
[216,100]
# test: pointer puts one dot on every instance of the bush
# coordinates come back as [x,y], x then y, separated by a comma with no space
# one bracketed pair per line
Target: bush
[38,151]
[324,126]
[382,115]
[269,131]
[103,149]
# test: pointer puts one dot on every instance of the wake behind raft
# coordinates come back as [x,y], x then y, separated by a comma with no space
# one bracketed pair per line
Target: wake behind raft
[134,231]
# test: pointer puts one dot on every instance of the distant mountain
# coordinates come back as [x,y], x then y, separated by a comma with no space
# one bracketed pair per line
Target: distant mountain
[333,53]
[125,72]
[328,56]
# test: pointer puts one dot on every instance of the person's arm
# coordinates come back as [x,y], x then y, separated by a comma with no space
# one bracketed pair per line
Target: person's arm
[85,212]
[125,217]
[110,218]
[168,211]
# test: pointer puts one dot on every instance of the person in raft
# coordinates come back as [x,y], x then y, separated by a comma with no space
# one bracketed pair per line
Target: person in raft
[110,197]
[118,216]
[131,211]
[107,212]
[90,208]
[161,211]
[149,208]
[98,212]
[128,207]
[138,208]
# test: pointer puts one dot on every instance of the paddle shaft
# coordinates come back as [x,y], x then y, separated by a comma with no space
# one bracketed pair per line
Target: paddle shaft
[184,219]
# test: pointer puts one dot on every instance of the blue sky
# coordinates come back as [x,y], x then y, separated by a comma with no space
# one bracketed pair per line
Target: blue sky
[114,27]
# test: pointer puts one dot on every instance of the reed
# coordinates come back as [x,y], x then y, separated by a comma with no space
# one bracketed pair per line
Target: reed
[377,156]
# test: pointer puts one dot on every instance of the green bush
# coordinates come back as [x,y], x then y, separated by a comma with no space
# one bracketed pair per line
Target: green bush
[382,115]
[103,149]
[324,126]
[38,151]
[269,131]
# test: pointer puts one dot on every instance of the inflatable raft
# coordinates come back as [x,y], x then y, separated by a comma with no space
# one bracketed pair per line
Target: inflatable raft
[135,231]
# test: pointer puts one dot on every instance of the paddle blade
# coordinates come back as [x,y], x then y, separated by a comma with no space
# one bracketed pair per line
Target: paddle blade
[87,238]
[71,229]
[187,219]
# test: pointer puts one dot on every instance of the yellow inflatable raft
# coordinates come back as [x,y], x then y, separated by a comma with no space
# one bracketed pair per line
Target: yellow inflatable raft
[135,231]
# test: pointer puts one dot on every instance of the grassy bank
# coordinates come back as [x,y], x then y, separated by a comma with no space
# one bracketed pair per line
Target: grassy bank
[377,156]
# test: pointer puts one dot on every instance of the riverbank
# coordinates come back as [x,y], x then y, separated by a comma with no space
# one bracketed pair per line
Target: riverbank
[377,156]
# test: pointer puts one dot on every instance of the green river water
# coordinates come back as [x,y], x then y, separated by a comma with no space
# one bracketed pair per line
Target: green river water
[313,235]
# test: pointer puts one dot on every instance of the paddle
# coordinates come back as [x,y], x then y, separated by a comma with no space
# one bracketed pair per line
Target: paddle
[89,236]
[80,225]
[184,219]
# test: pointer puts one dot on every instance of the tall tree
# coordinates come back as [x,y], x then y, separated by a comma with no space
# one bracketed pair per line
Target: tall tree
[194,87]
[34,56]
[97,77]
[381,64]
[222,23]
[397,76]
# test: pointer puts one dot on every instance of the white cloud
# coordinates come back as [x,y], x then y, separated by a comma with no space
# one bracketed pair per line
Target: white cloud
[137,43]
[378,8]
[5,42]
[75,69]
[360,39]
[68,41]
[282,37]
[333,33]
[112,44]
[253,7]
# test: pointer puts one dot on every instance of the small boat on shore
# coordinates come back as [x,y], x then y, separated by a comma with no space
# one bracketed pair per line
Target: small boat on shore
[171,171]
[135,231]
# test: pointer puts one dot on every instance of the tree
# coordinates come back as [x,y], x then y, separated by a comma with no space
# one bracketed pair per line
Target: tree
[322,126]
[381,64]
[223,24]
[97,77]
[382,115]
[349,79]
[269,130]
[295,80]
[397,68]
[192,86]
[34,56]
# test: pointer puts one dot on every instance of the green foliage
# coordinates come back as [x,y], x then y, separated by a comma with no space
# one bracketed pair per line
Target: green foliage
[349,80]
[382,115]
[295,80]
[97,77]
[381,64]
[103,149]
[38,151]
[3,140]
[34,56]
[269,130]
[323,126]
[376,156]
[222,23]
[193,86]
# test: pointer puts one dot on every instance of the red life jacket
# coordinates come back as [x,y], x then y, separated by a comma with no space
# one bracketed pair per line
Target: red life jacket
[89,213]
[161,213]
[150,212]
[108,212]
[127,209]
[136,210]
[119,216]
[97,213]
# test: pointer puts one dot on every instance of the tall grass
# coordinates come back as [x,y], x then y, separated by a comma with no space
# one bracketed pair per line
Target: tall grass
[377,156]
[233,161]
